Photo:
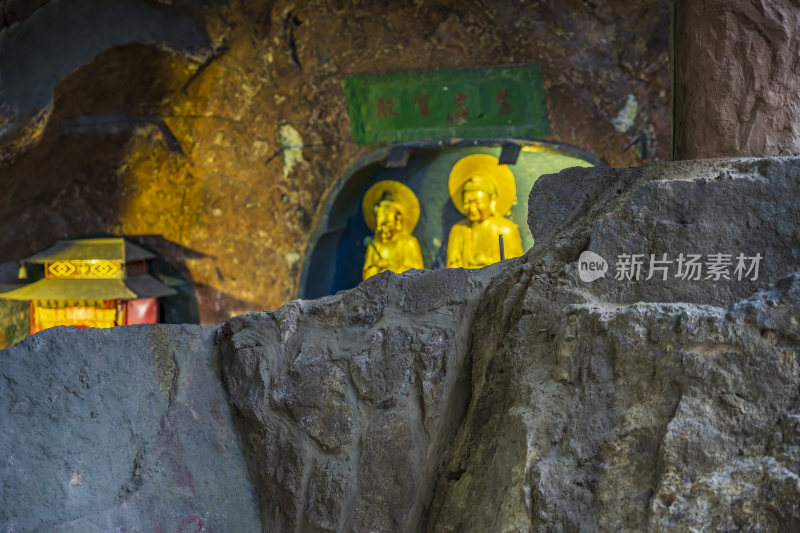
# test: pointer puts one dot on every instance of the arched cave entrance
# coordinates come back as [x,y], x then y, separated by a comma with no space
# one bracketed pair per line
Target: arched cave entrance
[335,254]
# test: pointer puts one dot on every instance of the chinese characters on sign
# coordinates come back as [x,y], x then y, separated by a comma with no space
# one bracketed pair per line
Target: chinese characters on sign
[502,98]
[422,102]
[461,110]
[476,102]
[386,108]
[715,267]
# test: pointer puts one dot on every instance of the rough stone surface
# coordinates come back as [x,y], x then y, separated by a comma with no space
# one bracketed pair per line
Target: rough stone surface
[730,206]
[516,397]
[119,430]
[641,417]
[348,402]
[735,71]
[600,406]
[215,129]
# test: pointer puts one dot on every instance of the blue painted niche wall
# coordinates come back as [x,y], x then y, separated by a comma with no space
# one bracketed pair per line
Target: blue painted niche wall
[335,255]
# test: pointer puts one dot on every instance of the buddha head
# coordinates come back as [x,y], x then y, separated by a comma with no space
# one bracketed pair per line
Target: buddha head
[481,188]
[479,197]
[390,210]
[388,217]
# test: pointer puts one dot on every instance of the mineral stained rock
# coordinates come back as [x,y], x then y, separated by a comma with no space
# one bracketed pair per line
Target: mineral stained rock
[513,398]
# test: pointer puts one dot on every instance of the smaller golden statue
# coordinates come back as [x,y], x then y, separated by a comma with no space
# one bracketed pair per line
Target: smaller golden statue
[391,211]
[484,191]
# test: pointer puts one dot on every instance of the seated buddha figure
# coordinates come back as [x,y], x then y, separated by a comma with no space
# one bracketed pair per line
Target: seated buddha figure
[391,211]
[484,191]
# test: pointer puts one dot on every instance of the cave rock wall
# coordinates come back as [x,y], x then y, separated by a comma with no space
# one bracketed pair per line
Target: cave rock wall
[213,131]
[516,397]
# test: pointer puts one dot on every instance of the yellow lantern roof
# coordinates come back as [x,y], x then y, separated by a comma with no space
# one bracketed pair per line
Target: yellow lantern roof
[102,249]
[141,286]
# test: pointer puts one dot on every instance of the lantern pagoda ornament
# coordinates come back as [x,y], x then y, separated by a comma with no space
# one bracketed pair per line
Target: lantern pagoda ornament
[93,282]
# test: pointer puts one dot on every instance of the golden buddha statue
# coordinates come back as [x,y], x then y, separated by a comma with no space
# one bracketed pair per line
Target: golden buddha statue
[391,211]
[484,191]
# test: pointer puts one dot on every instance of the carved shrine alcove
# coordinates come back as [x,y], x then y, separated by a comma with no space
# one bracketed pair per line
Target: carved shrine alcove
[335,254]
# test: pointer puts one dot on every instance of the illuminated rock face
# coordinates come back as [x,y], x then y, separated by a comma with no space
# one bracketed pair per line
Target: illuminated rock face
[216,129]
[515,397]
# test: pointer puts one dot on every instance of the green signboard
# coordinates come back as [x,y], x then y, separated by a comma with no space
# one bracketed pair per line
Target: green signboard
[475,102]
